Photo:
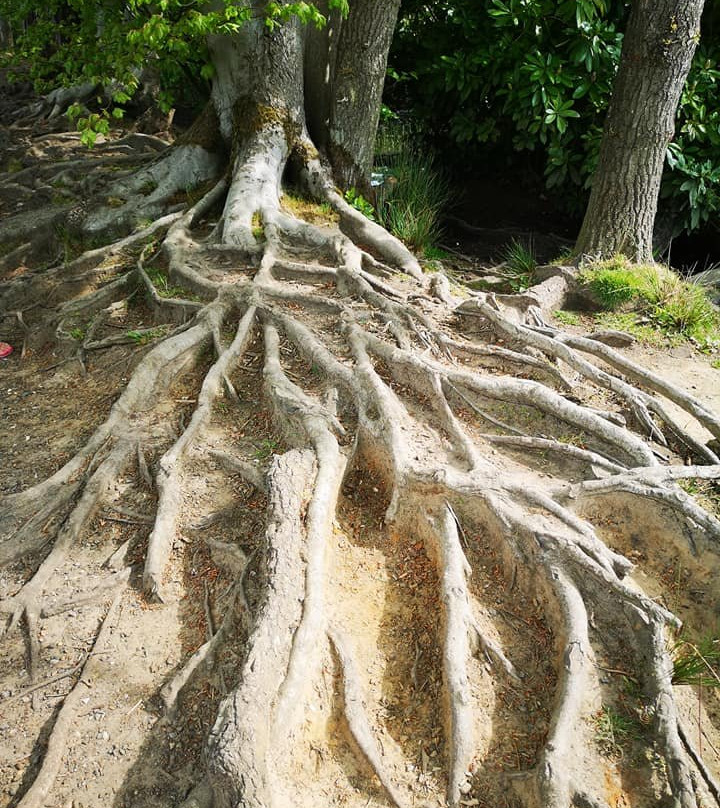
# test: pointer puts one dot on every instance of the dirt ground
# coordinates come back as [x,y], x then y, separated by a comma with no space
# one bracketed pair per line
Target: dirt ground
[105,652]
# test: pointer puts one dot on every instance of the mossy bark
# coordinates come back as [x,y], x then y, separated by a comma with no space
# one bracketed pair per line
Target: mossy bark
[321,85]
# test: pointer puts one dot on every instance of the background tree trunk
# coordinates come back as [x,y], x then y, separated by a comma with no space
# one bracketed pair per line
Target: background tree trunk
[6,34]
[345,66]
[659,44]
[357,88]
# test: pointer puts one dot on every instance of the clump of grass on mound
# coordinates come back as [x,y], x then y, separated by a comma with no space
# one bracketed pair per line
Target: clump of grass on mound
[519,265]
[673,304]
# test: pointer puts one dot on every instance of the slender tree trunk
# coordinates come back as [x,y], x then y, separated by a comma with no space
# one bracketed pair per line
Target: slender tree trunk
[358,82]
[659,44]
[345,66]
[6,34]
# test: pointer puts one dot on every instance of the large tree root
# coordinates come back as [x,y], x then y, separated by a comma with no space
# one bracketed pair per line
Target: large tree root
[478,475]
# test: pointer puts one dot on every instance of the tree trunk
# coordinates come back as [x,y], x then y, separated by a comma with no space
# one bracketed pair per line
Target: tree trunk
[659,44]
[357,85]
[260,100]
[6,34]
[339,95]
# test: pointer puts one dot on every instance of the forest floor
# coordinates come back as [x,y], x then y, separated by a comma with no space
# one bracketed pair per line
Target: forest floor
[122,746]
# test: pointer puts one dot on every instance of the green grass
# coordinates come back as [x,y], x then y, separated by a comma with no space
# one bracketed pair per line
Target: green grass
[519,265]
[520,257]
[72,246]
[617,281]
[614,731]
[258,229]
[410,201]
[567,317]
[640,327]
[309,210]
[393,137]
[706,492]
[670,303]
[564,259]
[266,449]
[715,364]
[436,254]
[144,337]
[163,286]
[697,663]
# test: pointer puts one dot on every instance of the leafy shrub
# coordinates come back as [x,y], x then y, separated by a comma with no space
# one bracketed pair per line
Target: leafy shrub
[506,78]
[358,201]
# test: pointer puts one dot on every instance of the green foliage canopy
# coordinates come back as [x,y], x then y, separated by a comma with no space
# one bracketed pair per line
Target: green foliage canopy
[109,43]
[504,77]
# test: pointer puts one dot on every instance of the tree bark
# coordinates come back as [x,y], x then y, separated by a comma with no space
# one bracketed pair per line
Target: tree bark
[659,44]
[6,34]
[294,90]
[357,88]
[329,81]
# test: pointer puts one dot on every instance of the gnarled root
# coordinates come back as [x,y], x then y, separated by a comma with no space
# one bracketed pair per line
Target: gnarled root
[444,500]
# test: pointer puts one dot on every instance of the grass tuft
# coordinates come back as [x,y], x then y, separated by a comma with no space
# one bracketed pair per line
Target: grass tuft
[567,317]
[410,200]
[163,286]
[519,265]
[146,336]
[614,731]
[697,663]
[671,303]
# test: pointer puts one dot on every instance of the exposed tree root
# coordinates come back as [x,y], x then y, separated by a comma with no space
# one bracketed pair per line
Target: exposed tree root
[170,469]
[357,720]
[353,366]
